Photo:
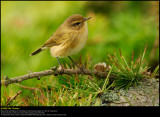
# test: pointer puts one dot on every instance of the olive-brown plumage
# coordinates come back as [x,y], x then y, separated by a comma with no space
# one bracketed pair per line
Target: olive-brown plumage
[68,39]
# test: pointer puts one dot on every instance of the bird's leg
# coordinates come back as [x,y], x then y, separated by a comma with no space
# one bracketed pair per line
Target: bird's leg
[60,67]
[81,69]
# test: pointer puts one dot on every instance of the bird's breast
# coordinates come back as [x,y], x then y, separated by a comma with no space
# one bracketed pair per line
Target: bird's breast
[72,45]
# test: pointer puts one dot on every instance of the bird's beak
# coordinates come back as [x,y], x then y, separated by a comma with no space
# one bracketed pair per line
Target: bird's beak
[87,18]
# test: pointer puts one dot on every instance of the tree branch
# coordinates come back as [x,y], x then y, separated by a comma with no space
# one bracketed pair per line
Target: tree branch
[53,71]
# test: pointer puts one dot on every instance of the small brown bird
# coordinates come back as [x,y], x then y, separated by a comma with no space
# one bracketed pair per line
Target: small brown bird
[68,39]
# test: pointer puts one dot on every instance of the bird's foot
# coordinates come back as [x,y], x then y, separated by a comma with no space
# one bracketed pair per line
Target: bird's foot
[61,70]
[82,69]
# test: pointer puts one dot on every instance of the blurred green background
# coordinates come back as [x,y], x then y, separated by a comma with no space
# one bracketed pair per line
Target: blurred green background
[26,25]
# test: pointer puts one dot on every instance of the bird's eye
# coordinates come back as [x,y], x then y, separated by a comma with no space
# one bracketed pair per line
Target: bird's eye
[76,24]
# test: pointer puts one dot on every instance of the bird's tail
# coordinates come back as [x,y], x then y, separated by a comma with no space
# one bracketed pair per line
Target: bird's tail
[38,50]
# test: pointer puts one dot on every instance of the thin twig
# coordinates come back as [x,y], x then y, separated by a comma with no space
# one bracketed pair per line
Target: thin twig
[9,100]
[31,88]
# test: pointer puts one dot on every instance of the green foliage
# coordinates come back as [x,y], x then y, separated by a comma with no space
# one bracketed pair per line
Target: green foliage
[128,75]
[79,90]
[155,72]
[26,25]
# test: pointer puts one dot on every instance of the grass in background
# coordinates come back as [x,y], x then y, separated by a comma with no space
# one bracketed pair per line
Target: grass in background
[29,29]
[27,25]
[81,90]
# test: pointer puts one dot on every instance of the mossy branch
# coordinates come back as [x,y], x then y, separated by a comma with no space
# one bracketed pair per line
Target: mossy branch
[53,71]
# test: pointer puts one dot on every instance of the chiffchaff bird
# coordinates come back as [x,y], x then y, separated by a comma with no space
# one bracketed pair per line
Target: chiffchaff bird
[68,39]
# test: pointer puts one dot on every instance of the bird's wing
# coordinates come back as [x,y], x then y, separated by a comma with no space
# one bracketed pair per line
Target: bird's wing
[56,39]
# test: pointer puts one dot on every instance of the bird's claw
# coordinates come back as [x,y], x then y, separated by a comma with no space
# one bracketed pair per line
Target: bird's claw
[61,70]
[82,69]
